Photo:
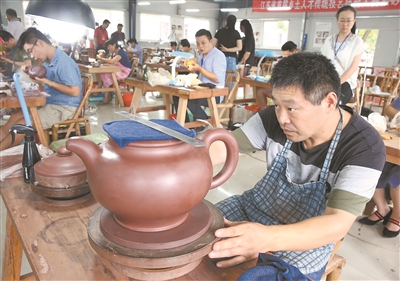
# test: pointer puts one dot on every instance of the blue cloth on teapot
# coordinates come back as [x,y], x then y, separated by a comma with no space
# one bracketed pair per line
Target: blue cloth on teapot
[124,132]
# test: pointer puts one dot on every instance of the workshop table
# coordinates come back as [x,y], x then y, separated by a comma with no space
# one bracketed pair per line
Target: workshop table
[184,94]
[105,68]
[55,242]
[255,84]
[32,102]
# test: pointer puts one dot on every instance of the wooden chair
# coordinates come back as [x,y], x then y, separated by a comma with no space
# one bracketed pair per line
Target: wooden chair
[226,107]
[91,52]
[266,67]
[335,265]
[388,81]
[73,124]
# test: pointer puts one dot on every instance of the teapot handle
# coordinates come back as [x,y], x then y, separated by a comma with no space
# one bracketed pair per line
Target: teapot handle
[232,155]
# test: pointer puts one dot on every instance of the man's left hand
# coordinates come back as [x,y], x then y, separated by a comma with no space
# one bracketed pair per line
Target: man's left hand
[241,240]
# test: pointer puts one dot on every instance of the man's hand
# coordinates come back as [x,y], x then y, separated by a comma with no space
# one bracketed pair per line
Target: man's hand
[223,48]
[241,240]
[194,67]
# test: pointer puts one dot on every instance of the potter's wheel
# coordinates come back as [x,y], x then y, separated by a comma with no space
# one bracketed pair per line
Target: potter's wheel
[146,258]
[63,197]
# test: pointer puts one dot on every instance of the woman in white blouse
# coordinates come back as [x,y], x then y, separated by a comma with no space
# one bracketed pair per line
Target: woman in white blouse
[345,50]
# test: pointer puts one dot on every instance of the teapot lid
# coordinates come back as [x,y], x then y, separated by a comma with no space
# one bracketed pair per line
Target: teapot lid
[62,163]
[124,132]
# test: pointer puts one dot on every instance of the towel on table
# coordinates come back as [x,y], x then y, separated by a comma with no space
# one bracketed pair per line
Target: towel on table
[272,268]
[124,132]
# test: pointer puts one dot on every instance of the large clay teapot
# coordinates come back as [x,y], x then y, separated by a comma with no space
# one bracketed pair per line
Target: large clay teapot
[152,185]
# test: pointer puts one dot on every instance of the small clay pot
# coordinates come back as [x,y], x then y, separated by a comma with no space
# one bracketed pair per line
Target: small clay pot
[37,71]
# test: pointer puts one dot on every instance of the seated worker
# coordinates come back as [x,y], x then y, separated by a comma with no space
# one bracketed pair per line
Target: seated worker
[323,164]
[390,175]
[174,46]
[119,58]
[288,49]
[15,57]
[211,67]
[62,82]
[185,47]
[135,50]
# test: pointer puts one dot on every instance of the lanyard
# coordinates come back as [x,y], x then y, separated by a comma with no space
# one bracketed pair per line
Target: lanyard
[334,49]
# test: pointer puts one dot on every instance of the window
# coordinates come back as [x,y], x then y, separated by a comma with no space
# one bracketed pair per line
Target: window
[370,38]
[275,34]
[193,25]
[154,27]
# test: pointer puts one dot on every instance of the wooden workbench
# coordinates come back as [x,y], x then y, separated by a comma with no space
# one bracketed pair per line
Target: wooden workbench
[55,242]
[32,102]
[184,94]
[105,68]
[392,146]
[255,84]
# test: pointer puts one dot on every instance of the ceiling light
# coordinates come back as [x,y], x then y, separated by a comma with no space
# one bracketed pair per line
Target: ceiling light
[192,10]
[177,2]
[279,8]
[143,3]
[369,4]
[77,12]
[229,10]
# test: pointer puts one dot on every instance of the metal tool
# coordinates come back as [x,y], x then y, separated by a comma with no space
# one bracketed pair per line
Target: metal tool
[165,130]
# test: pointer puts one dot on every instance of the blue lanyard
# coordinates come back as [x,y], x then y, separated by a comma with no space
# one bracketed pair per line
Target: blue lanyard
[337,51]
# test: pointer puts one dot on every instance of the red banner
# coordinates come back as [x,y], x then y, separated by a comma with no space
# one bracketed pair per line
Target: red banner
[263,6]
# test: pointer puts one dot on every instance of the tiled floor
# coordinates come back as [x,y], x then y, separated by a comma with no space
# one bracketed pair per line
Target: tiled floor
[368,255]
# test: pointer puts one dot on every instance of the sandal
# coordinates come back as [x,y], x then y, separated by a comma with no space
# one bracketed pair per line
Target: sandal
[390,233]
[104,102]
[385,219]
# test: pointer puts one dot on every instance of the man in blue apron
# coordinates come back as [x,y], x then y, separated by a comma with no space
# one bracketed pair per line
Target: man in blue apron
[323,164]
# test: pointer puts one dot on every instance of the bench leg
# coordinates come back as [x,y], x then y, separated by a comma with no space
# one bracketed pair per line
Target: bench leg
[12,253]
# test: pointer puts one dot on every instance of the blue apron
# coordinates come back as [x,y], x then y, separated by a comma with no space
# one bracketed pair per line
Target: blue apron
[276,200]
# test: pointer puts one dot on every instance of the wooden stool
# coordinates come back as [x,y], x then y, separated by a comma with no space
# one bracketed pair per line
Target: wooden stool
[335,265]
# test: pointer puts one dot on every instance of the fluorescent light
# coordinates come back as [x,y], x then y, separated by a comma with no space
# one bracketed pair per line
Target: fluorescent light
[229,10]
[192,10]
[177,2]
[279,8]
[143,3]
[369,4]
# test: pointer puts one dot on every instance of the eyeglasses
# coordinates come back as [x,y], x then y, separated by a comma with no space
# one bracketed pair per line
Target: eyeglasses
[29,51]
[346,21]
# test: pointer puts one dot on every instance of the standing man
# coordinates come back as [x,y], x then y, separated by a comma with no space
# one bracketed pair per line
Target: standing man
[101,36]
[15,26]
[62,82]
[211,67]
[119,35]
[323,163]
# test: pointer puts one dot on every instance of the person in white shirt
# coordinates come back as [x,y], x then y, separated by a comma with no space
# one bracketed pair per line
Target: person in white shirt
[15,26]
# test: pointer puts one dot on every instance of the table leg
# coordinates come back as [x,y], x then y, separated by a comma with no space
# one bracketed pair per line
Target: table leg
[167,102]
[137,95]
[255,94]
[182,107]
[117,90]
[212,105]
[12,253]
[38,125]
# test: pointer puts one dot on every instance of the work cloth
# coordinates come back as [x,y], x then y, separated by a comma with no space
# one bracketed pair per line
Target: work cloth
[124,132]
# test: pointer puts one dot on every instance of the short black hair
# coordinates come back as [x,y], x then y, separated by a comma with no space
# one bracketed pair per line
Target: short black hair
[120,24]
[106,21]
[30,35]
[205,32]
[185,43]
[113,41]
[173,43]
[132,40]
[5,35]
[289,46]
[312,73]
[11,12]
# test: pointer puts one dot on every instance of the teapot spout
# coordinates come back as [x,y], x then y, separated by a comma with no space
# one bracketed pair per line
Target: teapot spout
[86,149]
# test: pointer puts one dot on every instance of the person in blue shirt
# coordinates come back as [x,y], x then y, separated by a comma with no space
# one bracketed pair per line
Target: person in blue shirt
[62,82]
[119,58]
[211,67]
[135,49]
